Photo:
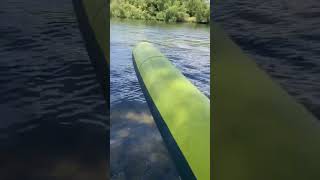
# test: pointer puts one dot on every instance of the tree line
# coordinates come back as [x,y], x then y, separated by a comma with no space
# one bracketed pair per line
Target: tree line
[162,10]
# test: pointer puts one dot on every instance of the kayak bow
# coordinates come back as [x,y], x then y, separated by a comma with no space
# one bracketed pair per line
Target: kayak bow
[180,110]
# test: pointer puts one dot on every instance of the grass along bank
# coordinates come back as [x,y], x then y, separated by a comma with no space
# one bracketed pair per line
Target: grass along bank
[197,11]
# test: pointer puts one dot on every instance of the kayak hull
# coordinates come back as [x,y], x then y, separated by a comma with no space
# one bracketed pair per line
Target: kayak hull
[180,110]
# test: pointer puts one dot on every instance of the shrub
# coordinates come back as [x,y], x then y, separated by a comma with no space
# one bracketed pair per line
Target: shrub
[162,10]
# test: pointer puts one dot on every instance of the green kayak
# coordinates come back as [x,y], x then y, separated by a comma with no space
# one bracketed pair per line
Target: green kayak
[180,110]
[259,131]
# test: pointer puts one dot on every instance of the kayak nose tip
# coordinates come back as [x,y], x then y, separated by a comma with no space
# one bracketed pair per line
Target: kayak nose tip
[143,43]
[142,46]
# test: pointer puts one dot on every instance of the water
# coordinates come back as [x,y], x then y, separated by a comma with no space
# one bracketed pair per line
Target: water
[188,47]
[284,39]
[53,118]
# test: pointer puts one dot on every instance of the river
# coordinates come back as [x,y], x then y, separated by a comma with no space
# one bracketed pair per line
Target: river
[187,46]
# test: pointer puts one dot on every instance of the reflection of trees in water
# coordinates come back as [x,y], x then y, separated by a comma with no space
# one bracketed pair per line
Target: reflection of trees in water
[136,147]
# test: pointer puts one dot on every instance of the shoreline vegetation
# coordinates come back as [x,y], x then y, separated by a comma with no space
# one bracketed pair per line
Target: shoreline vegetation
[193,11]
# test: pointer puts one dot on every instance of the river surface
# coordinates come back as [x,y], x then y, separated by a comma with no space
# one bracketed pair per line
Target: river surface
[53,121]
[187,46]
[284,39]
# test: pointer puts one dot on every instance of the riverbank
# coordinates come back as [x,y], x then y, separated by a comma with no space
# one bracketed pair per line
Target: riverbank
[191,11]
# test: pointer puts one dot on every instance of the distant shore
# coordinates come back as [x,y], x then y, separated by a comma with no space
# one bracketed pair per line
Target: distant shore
[190,11]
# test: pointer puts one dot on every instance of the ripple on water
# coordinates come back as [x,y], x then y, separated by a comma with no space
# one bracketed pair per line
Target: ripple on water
[53,114]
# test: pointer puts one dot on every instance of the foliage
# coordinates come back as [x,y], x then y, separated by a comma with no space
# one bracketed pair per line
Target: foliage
[162,10]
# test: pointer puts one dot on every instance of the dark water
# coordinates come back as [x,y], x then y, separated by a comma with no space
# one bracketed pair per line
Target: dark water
[284,39]
[137,149]
[53,120]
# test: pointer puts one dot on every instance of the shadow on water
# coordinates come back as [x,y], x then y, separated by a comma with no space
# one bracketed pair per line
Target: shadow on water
[56,151]
[137,148]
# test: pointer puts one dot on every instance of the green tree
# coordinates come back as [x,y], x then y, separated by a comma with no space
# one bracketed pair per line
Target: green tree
[162,10]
